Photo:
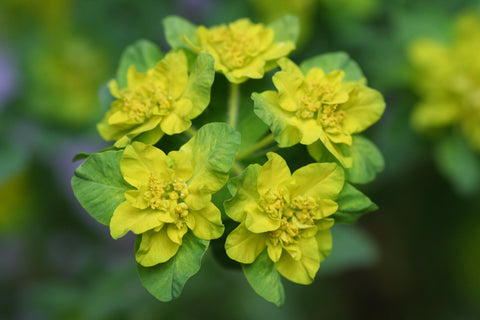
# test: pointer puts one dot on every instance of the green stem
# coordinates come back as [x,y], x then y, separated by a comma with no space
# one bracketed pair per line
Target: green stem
[237,168]
[190,132]
[257,146]
[233,102]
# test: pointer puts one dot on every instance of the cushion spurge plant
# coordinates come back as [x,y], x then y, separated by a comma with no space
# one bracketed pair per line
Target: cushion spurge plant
[218,176]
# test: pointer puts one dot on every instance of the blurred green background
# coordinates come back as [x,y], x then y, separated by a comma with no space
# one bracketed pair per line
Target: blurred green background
[417,257]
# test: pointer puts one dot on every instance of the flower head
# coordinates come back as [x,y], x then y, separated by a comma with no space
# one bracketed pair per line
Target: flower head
[317,106]
[448,80]
[163,204]
[288,214]
[159,101]
[242,50]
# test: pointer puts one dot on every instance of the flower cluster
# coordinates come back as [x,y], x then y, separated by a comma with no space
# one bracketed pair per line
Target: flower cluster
[174,202]
[288,214]
[164,205]
[448,81]
[154,103]
[242,50]
[318,106]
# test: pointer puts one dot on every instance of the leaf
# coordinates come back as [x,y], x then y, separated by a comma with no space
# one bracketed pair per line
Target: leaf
[199,83]
[84,155]
[329,62]
[266,108]
[143,54]
[459,163]
[352,204]
[367,160]
[265,279]
[165,281]
[243,189]
[212,151]
[99,186]
[176,28]
[286,28]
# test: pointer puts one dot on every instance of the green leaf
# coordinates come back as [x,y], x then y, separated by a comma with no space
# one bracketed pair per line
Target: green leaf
[176,28]
[99,186]
[143,54]
[352,204]
[367,160]
[80,156]
[329,62]
[459,163]
[265,279]
[266,108]
[84,155]
[286,28]
[199,83]
[165,281]
[212,152]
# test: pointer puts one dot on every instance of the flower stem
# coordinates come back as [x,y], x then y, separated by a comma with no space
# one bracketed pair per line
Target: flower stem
[190,132]
[237,168]
[233,102]
[257,146]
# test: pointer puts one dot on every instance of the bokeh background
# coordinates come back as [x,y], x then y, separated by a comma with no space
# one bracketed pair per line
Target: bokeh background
[417,257]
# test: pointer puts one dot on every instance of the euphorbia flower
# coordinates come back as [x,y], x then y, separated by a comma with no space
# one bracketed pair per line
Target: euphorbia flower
[317,107]
[160,101]
[164,204]
[242,50]
[447,77]
[285,214]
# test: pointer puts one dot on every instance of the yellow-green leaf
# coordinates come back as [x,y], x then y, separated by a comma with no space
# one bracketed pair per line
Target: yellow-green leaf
[99,186]
[265,279]
[165,281]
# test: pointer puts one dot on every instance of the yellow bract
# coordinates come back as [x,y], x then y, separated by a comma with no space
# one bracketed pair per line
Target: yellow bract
[242,50]
[286,214]
[448,80]
[162,207]
[319,106]
[152,103]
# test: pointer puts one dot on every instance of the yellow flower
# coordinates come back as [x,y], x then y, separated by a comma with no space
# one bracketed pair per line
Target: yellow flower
[448,80]
[242,50]
[317,106]
[288,214]
[160,101]
[164,205]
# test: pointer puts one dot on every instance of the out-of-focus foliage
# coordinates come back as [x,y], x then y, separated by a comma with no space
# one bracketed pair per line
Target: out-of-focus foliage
[416,258]
[447,80]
